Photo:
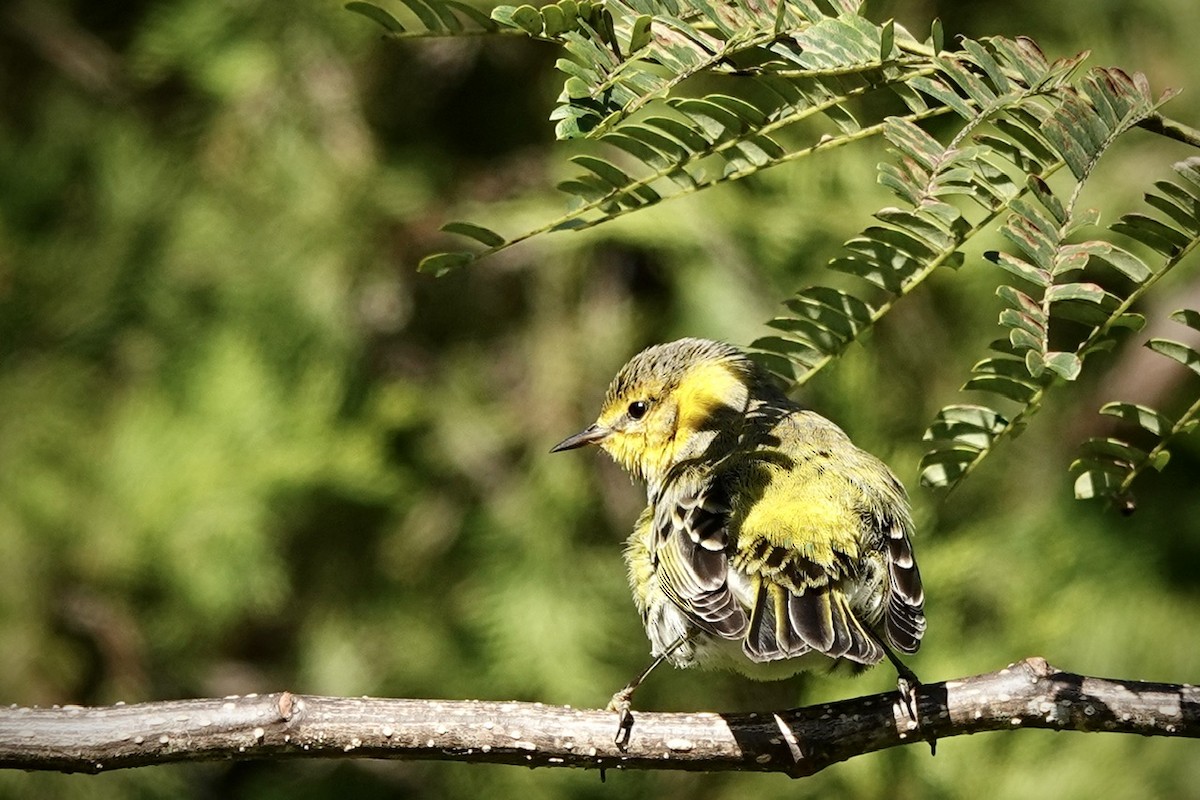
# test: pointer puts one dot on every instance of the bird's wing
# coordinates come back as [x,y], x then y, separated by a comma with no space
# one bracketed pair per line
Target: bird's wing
[691,554]
[905,620]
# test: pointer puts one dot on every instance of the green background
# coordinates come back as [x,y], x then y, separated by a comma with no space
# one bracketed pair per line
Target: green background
[244,446]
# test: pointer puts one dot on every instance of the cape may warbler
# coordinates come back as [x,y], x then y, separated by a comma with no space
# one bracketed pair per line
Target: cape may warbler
[771,544]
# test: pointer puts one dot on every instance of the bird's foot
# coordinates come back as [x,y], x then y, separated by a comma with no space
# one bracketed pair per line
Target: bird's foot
[908,685]
[621,703]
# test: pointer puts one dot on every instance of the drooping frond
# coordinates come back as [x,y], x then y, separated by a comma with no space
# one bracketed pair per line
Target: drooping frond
[957,190]
[1053,263]
[625,65]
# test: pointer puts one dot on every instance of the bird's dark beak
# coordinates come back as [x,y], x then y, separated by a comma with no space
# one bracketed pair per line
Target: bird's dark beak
[592,435]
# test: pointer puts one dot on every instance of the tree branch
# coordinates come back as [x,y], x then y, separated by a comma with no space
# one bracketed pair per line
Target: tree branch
[797,742]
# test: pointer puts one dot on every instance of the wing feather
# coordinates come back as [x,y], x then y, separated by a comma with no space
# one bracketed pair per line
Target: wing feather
[905,620]
[692,550]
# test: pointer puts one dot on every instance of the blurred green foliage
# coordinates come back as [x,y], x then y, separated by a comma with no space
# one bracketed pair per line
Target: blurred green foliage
[244,447]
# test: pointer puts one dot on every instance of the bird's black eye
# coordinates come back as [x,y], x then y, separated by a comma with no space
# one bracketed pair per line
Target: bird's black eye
[638,409]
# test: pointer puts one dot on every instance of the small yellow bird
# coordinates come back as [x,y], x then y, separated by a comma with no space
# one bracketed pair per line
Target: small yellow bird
[771,544]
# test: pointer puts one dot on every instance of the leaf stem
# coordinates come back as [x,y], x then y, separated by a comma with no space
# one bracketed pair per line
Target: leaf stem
[825,144]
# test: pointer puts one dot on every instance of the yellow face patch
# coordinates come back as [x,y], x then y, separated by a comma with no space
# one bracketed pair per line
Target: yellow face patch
[648,446]
[704,390]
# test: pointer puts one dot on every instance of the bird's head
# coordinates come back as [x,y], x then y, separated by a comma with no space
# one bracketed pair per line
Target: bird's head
[670,403]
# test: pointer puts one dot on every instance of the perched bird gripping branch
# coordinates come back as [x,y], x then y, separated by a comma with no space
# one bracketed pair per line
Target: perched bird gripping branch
[770,544]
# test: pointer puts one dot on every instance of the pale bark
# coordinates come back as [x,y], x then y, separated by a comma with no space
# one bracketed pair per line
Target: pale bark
[798,742]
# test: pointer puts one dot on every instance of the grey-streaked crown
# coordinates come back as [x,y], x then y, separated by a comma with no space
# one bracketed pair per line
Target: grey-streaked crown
[663,365]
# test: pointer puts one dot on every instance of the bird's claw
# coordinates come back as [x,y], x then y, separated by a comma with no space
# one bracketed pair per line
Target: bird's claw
[621,703]
[908,686]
